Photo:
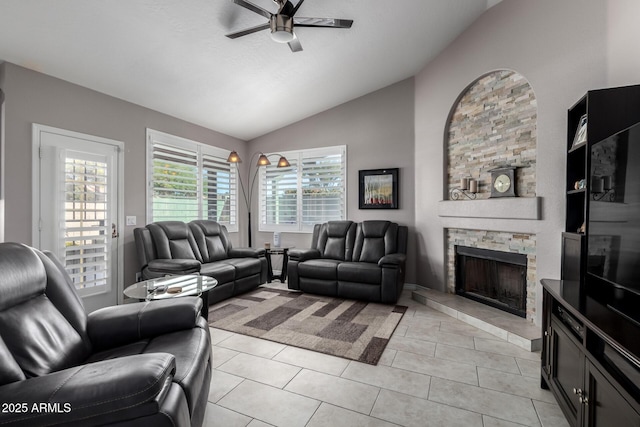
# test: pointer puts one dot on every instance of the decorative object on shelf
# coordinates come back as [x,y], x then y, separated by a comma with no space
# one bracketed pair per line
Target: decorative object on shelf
[263,160]
[378,189]
[468,188]
[582,228]
[581,132]
[602,190]
[503,182]
[580,185]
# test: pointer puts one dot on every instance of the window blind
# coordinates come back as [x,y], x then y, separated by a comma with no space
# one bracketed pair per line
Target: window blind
[312,190]
[189,180]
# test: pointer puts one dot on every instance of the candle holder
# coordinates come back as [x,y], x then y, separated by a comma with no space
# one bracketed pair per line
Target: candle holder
[468,189]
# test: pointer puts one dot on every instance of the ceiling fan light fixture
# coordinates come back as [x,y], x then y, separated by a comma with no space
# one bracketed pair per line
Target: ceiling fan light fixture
[281,28]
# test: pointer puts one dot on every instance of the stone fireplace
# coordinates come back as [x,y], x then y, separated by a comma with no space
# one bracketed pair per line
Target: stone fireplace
[492,125]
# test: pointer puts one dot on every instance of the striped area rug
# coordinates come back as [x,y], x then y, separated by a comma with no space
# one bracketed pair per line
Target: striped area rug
[354,330]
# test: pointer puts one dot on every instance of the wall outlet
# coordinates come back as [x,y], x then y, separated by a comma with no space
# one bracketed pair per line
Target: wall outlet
[131,220]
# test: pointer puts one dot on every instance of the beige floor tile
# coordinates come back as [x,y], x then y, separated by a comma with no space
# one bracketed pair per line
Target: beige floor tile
[257,423]
[529,368]
[407,382]
[218,335]
[221,355]
[218,416]
[458,327]
[387,357]
[437,336]
[412,411]
[434,367]
[312,360]
[488,402]
[550,414]
[270,405]
[494,422]
[477,358]
[250,345]
[337,391]
[261,370]
[514,384]
[333,416]
[412,345]
[221,384]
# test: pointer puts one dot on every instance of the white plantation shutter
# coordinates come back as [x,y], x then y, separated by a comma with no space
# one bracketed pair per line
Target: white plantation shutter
[174,183]
[312,190]
[87,219]
[218,190]
[189,180]
[279,195]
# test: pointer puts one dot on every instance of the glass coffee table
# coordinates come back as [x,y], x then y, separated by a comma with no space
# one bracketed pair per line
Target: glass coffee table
[174,287]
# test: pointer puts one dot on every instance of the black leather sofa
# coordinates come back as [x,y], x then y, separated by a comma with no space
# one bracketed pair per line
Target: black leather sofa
[174,247]
[352,260]
[143,364]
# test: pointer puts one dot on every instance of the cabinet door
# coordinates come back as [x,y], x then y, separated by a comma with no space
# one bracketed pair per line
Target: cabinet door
[604,406]
[567,371]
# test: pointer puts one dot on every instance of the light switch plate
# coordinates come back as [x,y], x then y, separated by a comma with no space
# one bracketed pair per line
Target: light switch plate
[131,220]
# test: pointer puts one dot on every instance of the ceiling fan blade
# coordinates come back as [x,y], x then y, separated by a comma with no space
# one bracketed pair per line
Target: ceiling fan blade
[295,45]
[252,7]
[248,31]
[295,9]
[322,22]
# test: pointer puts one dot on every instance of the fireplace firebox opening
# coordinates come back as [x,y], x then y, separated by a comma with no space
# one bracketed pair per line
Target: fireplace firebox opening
[495,278]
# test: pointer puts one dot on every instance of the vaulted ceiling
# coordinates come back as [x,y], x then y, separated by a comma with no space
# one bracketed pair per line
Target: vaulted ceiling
[172,56]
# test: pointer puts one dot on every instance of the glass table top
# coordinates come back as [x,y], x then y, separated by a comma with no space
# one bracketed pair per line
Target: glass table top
[171,287]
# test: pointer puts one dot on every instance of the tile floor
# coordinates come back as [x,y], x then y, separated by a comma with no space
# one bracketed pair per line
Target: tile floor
[436,371]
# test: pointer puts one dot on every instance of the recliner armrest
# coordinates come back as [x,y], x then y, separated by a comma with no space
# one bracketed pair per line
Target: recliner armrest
[123,388]
[163,267]
[392,260]
[122,324]
[303,254]
[246,253]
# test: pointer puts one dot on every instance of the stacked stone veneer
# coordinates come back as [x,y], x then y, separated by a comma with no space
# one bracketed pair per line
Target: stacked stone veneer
[493,125]
[499,241]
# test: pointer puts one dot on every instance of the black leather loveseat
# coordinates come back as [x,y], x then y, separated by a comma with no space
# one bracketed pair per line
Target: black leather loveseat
[140,364]
[352,260]
[174,247]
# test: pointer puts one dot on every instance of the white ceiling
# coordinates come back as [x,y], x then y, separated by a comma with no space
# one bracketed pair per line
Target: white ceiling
[172,56]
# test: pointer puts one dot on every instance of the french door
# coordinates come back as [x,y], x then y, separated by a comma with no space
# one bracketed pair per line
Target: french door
[77,209]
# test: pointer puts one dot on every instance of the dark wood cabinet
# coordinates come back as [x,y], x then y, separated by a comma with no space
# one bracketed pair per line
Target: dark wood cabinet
[595,381]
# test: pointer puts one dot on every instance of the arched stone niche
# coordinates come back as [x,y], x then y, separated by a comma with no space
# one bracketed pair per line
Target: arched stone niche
[493,124]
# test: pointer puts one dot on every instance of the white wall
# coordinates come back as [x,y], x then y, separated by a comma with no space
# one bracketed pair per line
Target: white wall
[623,31]
[560,47]
[378,131]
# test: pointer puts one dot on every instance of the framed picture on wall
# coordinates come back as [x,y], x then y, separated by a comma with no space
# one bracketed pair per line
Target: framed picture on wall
[378,189]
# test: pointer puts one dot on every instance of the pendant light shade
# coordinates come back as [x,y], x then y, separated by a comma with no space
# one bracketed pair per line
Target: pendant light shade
[263,160]
[283,162]
[234,158]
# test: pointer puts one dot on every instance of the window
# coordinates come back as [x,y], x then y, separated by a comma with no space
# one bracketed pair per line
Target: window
[188,180]
[311,191]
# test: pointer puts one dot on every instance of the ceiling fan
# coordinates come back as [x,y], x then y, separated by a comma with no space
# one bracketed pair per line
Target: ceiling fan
[283,22]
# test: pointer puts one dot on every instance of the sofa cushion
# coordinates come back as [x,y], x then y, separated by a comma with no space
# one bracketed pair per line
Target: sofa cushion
[375,239]
[212,240]
[362,272]
[335,240]
[325,269]
[173,239]
[219,270]
[245,266]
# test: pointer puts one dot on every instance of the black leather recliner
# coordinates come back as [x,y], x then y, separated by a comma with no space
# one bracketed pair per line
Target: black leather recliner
[144,364]
[352,260]
[173,248]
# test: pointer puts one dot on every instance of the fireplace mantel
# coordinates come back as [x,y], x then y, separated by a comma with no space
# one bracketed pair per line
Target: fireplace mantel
[526,208]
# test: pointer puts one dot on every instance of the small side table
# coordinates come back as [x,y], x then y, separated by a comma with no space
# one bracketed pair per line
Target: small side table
[285,260]
[160,288]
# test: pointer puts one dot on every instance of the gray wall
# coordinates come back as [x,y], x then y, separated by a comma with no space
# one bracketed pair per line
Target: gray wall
[564,49]
[378,131]
[32,97]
